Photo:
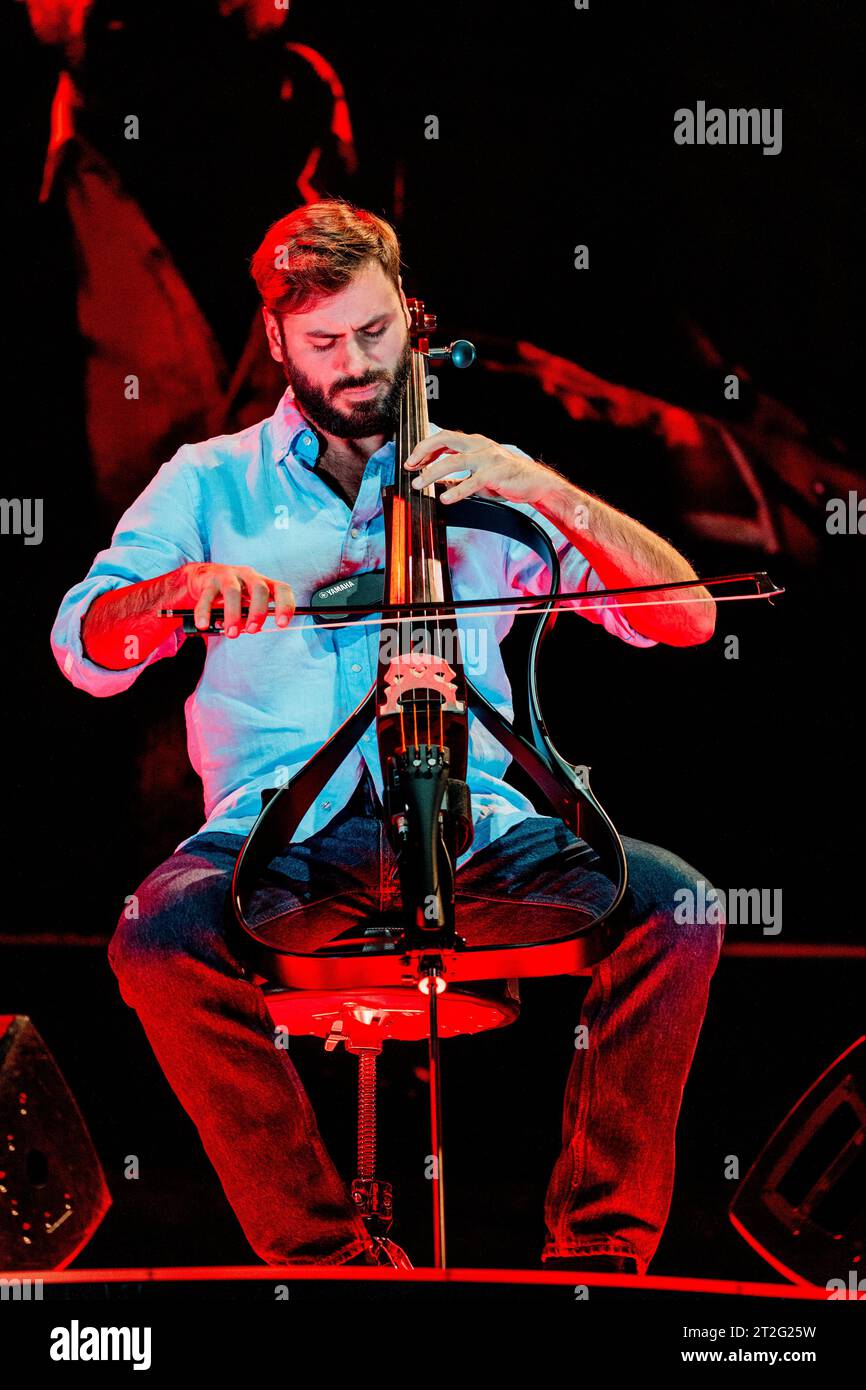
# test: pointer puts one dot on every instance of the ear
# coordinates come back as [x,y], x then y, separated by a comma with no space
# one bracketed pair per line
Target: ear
[272,333]
[406,314]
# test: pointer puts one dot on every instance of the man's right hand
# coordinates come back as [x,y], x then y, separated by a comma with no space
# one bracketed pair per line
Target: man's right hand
[232,586]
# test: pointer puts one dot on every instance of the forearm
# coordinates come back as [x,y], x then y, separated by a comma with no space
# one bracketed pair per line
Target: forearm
[121,629]
[623,552]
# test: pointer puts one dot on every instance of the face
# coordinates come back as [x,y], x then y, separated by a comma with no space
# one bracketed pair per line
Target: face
[358,338]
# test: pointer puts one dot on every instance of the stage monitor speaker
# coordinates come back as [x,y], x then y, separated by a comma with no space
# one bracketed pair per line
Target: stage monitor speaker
[53,1193]
[802,1204]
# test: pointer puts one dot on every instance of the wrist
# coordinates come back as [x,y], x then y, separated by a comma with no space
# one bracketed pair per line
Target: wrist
[541,486]
[556,498]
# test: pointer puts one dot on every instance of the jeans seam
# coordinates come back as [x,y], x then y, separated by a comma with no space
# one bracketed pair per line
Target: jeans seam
[603,982]
[607,1245]
[337,1257]
[317,1144]
[582,1121]
[558,905]
[304,907]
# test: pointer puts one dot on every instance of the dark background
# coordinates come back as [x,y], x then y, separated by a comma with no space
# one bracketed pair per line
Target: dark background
[556,128]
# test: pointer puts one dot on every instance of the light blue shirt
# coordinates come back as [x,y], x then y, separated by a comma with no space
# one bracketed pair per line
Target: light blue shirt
[266,701]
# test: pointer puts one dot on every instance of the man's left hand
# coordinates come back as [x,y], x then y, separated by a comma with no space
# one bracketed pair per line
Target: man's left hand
[493,469]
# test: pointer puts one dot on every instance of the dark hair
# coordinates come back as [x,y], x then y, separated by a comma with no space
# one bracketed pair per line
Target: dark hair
[317,250]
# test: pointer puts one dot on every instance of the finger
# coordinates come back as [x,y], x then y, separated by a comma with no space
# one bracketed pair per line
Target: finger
[204,602]
[417,461]
[231,590]
[458,491]
[441,468]
[436,443]
[284,603]
[260,594]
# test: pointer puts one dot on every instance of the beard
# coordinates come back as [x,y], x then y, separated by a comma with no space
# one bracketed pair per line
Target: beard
[378,415]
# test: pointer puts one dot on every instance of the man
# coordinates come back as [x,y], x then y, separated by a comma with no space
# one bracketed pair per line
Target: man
[265,517]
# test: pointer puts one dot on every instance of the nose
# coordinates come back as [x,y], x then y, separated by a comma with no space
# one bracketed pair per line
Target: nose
[353,361]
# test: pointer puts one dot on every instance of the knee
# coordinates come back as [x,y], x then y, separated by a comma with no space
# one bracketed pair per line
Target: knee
[143,942]
[685,904]
[169,920]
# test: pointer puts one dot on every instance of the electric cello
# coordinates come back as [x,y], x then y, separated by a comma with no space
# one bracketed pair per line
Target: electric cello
[421,704]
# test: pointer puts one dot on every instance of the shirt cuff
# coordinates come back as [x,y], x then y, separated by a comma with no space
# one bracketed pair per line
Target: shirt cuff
[614,620]
[69,651]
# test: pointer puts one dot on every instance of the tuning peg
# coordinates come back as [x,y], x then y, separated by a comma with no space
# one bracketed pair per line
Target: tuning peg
[461,353]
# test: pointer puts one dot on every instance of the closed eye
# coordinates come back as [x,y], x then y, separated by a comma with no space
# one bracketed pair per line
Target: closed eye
[378,334]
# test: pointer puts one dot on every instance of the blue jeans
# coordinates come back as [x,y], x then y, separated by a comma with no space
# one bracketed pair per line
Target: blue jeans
[611,1187]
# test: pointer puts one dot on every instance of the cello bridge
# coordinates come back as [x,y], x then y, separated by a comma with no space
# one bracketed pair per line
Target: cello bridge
[420,672]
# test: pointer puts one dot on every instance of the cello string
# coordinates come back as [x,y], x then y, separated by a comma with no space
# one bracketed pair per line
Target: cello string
[398,448]
[425,512]
[402,560]
[427,498]
[417,567]
[415,507]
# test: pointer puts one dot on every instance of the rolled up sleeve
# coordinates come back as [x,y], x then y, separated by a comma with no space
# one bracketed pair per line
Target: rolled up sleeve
[158,533]
[527,573]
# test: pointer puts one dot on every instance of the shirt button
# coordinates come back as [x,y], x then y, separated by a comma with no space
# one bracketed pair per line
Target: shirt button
[326,805]
[355,666]
[355,533]
[307,439]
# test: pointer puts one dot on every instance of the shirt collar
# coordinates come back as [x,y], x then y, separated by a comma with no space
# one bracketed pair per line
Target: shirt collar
[291,432]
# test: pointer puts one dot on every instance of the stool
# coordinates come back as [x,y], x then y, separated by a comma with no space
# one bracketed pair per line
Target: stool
[361,990]
[363,1020]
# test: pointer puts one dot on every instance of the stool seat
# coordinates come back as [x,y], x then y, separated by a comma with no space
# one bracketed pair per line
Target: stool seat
[399,1012]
